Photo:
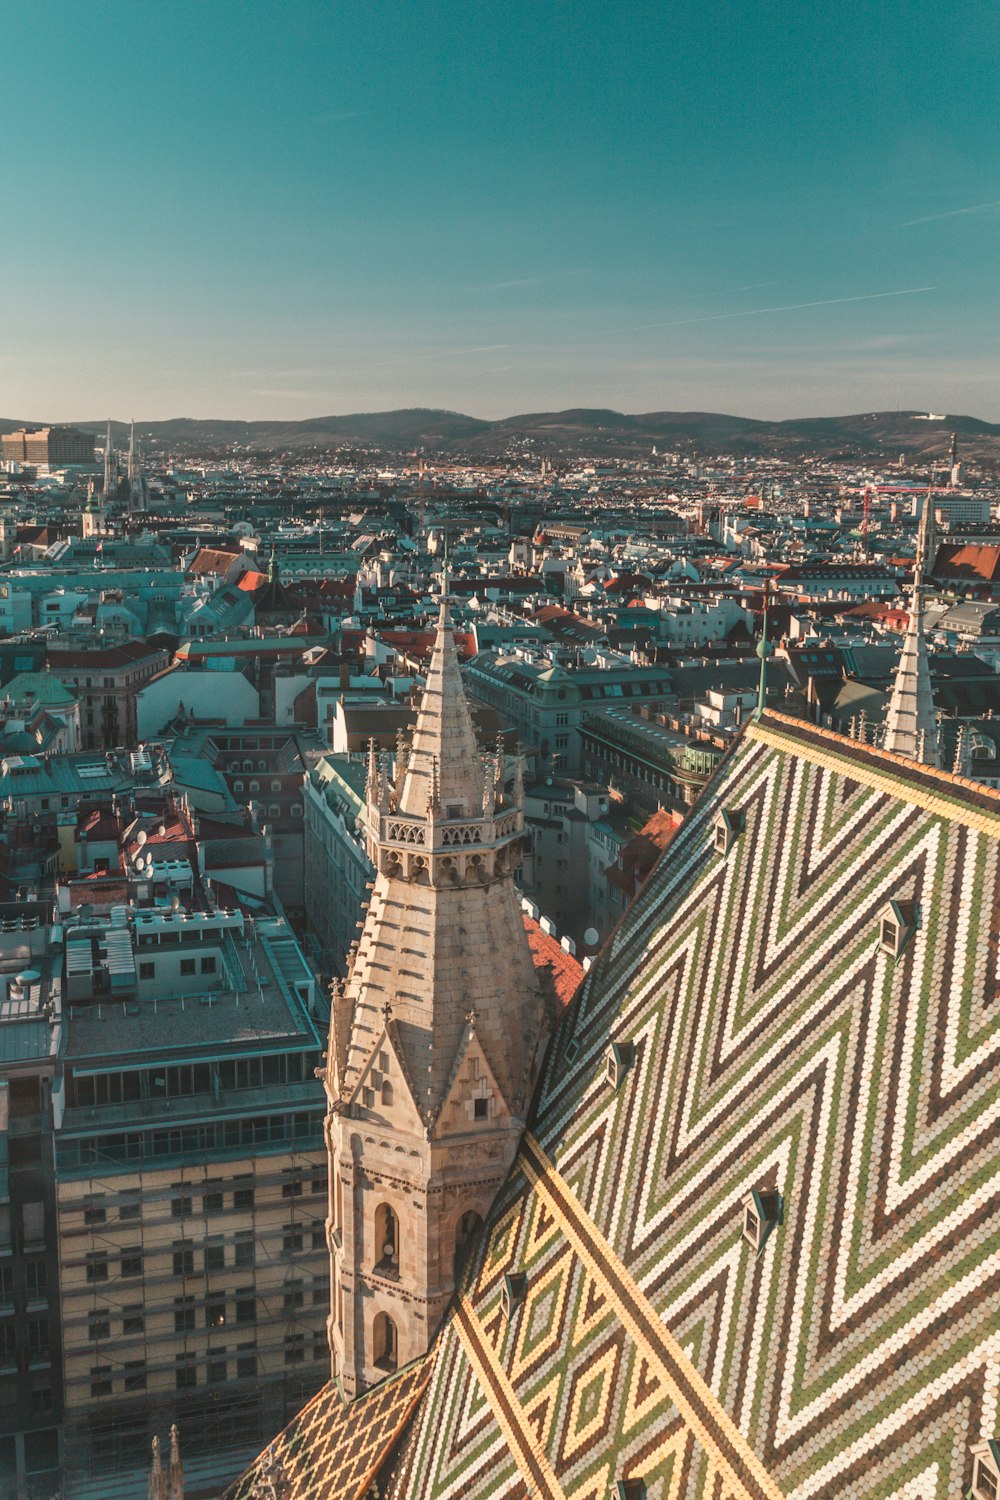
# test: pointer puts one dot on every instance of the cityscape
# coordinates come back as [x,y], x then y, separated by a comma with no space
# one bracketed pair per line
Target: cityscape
[499,751]
[328,773]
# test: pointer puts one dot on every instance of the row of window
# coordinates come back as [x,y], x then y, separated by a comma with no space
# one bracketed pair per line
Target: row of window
[217,1366]
[208,964]
[212,1199]
[38,1343]
[36,1282]
[189,1078]
[131,1260]
[302,1129]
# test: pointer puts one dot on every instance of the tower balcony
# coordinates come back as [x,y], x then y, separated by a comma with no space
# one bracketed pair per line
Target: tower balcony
[394,830]
[441,851]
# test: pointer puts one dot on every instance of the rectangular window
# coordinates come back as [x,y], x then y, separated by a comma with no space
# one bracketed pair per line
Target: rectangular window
[185,1371]
[133,1319]
[295,1348]
[246,1365]
[291,1187]
[38,1338]
[213,1202]
[128,1207]
[99,1324]
[135,1374]
[294,1296]
[218,1367]
[319,1235]
[244,1249]
[243,1197]
[246,1306]
[147,969]
[215,1312]
[208,964]
[180,1207]
[183,1258]
[215,1257]
[183,1314]
[97,1267]
[100,1380]
[291,1237]
[94,1212]
[321,1349]
[188,966]
[132,1261]
[321,1291]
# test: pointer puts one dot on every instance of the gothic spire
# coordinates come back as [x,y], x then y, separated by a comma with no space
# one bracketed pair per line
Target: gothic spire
[444,756]
[110,466]
[157,1483]
[175,1472]
[910,725]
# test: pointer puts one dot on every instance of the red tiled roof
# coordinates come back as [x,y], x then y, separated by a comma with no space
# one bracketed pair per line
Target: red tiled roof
[637,858]
[251,581]
[212,560]
[550,956]
[968,562]
[109,656]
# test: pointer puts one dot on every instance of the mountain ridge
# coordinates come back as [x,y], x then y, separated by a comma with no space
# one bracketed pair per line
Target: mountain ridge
[574,431]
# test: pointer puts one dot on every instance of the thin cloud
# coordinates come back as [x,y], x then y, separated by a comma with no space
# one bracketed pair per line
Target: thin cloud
[953,213]
[759,312]
[405,359]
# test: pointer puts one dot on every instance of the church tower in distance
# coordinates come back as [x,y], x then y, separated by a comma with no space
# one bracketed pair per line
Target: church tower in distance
[435,1037]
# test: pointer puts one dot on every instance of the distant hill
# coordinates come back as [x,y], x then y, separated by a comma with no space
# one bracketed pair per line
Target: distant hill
[580,431]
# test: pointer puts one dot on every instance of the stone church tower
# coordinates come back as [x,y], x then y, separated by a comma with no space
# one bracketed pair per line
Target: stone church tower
[435,1037]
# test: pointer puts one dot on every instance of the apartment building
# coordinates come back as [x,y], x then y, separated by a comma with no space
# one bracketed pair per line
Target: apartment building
[106,680]
[165,1258]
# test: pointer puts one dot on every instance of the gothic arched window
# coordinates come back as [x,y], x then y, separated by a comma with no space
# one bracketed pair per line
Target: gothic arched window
[386,1347]
[386,1241]
[467,1227]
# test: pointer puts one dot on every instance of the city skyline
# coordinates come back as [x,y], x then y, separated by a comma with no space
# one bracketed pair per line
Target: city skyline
[264,214]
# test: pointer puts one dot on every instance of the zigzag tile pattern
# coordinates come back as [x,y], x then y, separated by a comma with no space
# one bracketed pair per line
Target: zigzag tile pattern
[776,1045]
[332,1448]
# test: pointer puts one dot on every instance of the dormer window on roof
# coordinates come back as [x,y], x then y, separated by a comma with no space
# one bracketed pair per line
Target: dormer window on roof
[727,827]
[618,1059]
[985,1471]
[513,1291]
[897,922]
[762,1211]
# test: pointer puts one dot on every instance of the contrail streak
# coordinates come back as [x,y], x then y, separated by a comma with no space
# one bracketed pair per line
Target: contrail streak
[758,312]
[953,213]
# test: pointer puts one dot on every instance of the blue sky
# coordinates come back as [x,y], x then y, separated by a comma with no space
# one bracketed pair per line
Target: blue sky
[287,209]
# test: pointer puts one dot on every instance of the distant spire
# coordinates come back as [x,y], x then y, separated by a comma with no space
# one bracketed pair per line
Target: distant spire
[157,1483]
[175,1473]
[910,724]
[136,483]
[110,466]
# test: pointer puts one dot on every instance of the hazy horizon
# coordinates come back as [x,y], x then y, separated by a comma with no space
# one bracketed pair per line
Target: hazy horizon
[320,416]
[266,212]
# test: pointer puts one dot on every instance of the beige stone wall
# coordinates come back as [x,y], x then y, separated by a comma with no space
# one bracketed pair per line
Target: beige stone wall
[253,1273]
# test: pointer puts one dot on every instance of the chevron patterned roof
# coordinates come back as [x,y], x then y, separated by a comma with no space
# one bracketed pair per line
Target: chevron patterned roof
[776,1046]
